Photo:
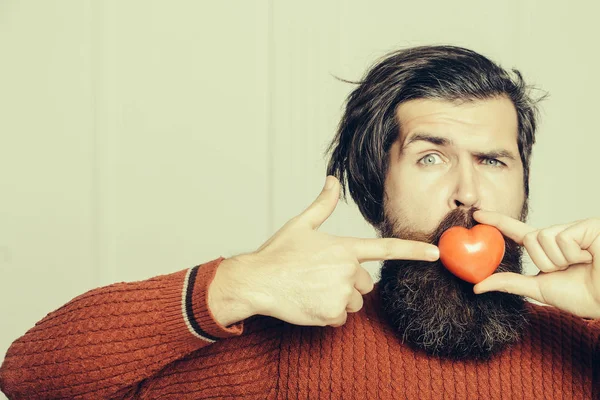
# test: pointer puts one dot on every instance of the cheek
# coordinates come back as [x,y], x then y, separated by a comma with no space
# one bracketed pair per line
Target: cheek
[506,198]
[514,203]
[418,204]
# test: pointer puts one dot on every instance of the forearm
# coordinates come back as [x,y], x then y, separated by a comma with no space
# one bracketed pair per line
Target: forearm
[111,338]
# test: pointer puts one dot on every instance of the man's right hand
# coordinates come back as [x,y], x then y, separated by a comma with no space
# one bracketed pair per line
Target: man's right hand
[303,276]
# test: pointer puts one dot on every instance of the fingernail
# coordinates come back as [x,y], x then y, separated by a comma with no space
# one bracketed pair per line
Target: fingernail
[478,290]
[433,253]
[328,182]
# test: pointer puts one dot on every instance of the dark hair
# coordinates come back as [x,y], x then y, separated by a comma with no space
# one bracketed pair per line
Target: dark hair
[359,151]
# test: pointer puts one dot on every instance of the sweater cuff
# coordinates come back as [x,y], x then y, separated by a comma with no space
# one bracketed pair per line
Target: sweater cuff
[201,320]
[185,312]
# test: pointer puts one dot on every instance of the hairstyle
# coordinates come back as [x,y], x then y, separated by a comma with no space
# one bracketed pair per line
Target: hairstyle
[359,150]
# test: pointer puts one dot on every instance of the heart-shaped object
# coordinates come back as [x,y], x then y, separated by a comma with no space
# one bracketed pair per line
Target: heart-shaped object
[472,254]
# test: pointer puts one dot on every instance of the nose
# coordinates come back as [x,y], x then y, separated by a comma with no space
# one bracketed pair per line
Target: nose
[466,188]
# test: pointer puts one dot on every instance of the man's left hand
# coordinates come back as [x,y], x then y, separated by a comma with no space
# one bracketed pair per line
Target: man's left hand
[568,257]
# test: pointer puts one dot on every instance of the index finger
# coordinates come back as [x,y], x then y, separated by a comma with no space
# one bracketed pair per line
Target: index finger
[513,228]
[392,249]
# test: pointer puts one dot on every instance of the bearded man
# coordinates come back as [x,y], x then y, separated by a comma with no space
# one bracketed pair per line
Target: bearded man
[433,137]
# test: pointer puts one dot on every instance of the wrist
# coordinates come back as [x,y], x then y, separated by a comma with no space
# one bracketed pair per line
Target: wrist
[232,295]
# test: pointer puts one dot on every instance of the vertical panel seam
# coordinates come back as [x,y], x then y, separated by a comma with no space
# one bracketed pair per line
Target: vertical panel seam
[270,118]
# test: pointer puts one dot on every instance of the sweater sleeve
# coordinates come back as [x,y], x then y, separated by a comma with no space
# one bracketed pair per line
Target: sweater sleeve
[106,341]
[594,325]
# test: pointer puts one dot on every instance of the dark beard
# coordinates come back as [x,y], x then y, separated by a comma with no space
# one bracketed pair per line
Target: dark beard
[435,311]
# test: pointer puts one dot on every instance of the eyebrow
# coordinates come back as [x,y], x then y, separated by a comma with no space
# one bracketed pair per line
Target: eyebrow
[442,141]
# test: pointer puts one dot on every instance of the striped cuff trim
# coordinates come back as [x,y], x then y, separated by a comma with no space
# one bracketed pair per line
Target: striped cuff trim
[187,307]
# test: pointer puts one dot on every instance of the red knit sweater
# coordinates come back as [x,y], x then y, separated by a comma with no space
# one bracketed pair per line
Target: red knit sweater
[156,339]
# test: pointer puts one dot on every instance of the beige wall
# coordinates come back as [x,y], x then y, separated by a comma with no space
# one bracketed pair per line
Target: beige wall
[143,137]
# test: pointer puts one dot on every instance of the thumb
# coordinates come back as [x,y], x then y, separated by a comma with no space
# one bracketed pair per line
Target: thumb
[324,204]
[510,282]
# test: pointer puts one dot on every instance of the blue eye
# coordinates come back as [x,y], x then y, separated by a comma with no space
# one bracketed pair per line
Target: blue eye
[493,162]
[429,159]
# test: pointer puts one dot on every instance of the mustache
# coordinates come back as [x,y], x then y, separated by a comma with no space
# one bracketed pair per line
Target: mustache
[458,217]
[512,255]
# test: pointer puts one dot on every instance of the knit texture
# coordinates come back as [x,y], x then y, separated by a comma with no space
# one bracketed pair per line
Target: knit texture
[156,339]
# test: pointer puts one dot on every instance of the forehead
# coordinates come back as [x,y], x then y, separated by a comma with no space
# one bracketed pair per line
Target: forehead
[489,121]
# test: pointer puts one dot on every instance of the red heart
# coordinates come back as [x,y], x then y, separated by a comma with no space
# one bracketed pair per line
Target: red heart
[472,254]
